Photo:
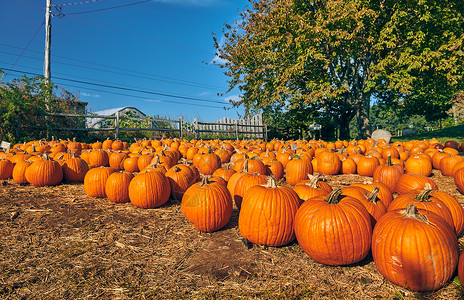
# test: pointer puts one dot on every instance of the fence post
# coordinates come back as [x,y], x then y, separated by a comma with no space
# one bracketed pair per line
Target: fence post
[236,131]
[265,133]
[195,123]
[116,133]
[180,126]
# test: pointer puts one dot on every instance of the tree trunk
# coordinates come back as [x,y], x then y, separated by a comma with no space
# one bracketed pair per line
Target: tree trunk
[344,126]
[362,114]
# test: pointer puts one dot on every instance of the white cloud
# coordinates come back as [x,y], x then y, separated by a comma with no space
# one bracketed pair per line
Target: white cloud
[90,95]
[216,59]
[232,97]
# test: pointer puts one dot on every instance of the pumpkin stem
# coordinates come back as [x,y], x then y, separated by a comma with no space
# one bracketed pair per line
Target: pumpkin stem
[334,196]
[176,169]
[205,180]
[389,161]
[271,182]
[313,179]
[424,195]
[411,211]
[372,196]
[245,166]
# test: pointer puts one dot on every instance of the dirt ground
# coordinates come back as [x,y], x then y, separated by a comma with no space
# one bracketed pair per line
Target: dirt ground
[59,243]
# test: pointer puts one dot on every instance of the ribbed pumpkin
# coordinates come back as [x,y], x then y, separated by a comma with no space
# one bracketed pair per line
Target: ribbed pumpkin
[297,169]
[388,174]
[131,164]
[367,165]
[116,160]
[438,198]
[385,195]
[328,163]
[98,158]
[267,214]
[275,168]
[447,164]
[74,169]
[422,201]
[44,172]
[19,171]
[209,162]
[459,179]
[418,251]
[6,169]
[95,181]
[307,189]
[333,231]
[417,164]
[117,186]
[410,182]
[180,179]
[149,190]
[225,173]
[461,258]
[207,205]
[244,183]
[348,165]
[374,206]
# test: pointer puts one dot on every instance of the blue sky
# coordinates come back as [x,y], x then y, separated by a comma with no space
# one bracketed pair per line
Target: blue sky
[164,47]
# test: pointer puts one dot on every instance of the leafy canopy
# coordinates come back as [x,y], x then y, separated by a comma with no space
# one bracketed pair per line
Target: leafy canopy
[343,54]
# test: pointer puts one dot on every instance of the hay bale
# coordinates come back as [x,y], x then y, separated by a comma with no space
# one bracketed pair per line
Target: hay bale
[381,134]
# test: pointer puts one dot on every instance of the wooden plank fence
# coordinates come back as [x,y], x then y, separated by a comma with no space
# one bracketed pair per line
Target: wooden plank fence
[250,128]
[236,128]
[117,128]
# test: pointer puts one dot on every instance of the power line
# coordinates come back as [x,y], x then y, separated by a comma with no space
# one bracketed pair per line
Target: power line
[124,89]
[155,77]
[141,97]
[132,96]
[27,45]
[77,3]
[107,8]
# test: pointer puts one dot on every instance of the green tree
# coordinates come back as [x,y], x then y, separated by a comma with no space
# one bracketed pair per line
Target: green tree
[25,104]
[342,53]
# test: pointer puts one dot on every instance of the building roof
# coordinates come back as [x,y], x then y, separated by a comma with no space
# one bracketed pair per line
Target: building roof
[109,112]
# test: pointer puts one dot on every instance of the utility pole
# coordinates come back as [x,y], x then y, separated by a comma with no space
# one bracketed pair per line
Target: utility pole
[48,32]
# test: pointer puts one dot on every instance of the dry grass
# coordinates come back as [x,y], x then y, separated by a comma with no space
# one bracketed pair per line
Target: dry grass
[58,243]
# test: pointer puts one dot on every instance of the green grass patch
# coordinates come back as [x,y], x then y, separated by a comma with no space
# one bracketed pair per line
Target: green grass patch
[451,133]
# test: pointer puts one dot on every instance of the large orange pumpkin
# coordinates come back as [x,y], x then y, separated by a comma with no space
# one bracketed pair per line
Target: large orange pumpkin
[149,190]
[95,181]
[267,214]
[44,172]
[117,186]
[418,251]
[207,205]
[333,231]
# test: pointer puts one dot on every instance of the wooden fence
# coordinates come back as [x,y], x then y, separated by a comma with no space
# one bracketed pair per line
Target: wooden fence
[231,128]
[246,128]
[117,128]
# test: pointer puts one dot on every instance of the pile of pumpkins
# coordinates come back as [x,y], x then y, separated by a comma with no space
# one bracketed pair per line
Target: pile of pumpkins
[279,188]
